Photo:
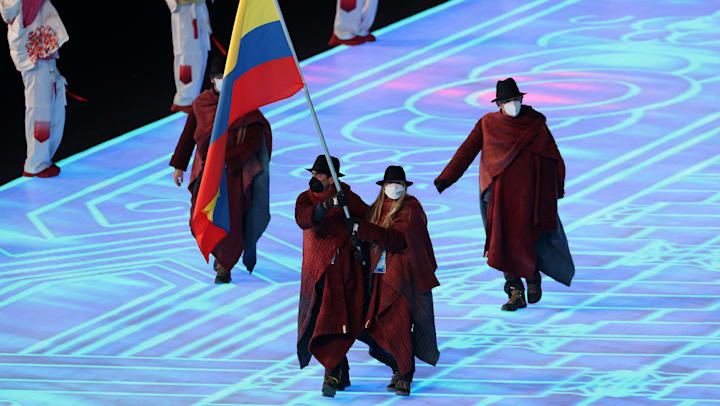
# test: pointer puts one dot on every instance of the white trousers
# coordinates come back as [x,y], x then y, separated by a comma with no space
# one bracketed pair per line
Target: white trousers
[44,114]
[356,22]
[189,75]
[191,44]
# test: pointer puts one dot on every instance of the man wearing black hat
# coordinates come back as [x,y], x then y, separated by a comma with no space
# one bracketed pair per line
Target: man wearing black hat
[247,166]
[331,288]
[521,177]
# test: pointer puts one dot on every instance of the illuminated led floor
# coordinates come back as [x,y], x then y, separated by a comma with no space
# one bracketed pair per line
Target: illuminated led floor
[105,299]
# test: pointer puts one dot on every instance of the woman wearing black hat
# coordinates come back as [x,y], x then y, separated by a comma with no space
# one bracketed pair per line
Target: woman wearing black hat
[400,316]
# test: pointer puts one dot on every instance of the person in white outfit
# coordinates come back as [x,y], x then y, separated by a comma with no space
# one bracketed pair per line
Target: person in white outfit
[353,19]
[191,31]
[35,34]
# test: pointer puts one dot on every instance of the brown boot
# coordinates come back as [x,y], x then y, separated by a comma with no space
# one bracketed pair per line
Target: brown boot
[330,385]
[402,388]
[223,275]
[516,300]
[534,291]
[393,381]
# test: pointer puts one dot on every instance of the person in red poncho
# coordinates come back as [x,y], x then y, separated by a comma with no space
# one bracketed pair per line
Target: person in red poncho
[400,319]
[521,177]
[332,291]
[247,159]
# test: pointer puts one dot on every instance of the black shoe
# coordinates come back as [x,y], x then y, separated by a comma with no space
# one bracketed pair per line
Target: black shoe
[330,385]
[516,300]
[223,275]
[402,387]
[393,381]
[534,291]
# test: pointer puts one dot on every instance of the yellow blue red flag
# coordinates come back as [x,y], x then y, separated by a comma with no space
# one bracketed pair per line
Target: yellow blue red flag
[261,68]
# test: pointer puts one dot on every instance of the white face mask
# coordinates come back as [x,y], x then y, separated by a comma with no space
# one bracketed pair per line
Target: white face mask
[218,84]
[512,108]
[394,190]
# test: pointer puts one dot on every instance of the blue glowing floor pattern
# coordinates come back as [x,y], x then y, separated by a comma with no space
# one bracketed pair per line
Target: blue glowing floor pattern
[105,299]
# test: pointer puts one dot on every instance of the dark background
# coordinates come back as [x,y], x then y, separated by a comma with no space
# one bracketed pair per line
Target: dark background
[120,57]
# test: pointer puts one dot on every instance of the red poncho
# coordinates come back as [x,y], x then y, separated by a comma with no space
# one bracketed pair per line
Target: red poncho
[522,162]
[241,161]
[329,320]
[402,296]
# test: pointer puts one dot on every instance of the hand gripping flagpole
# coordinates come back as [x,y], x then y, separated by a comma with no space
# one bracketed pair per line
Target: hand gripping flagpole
[312,108]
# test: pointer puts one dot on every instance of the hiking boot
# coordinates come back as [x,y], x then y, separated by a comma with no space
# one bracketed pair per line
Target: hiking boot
[516,300]
[330,385]
[223,275]
[402,387]
[393,381]
[534,291]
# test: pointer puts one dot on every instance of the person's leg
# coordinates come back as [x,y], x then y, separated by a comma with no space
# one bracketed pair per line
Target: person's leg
[534,291]
[348,16]
[402,385]
[38,97]
[515,291]
[57,122]
[337,377]
[190,45]
[368,17]
[189,71]
[513,284]
[376,351]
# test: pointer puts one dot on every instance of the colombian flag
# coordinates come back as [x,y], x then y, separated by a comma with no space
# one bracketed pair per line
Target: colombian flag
[260,69]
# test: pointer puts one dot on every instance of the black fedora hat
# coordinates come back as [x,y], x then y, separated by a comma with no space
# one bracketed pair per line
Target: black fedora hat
[394,174]
[321,166]
[506,89]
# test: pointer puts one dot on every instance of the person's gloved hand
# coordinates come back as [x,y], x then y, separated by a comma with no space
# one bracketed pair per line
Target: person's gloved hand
[353,225]
[441,184]
[336,201]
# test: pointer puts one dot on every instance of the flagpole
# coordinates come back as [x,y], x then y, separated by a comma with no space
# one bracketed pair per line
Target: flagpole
[333,173]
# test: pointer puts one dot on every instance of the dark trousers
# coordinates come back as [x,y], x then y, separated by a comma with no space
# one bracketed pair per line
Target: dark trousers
[379,353]
[511,281]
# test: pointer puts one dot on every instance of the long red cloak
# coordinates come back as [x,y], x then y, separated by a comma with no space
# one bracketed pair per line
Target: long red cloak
[331,285]
[242,164]
[400,314]
[522,162]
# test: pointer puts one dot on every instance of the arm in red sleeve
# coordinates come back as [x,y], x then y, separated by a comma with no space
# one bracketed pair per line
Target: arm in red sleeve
[356,206]
[186,144]
[304,209]
[464,156]
[247,147]
[390,239]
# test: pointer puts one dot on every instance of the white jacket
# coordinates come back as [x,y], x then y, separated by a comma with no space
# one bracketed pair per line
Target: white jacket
[19,36]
